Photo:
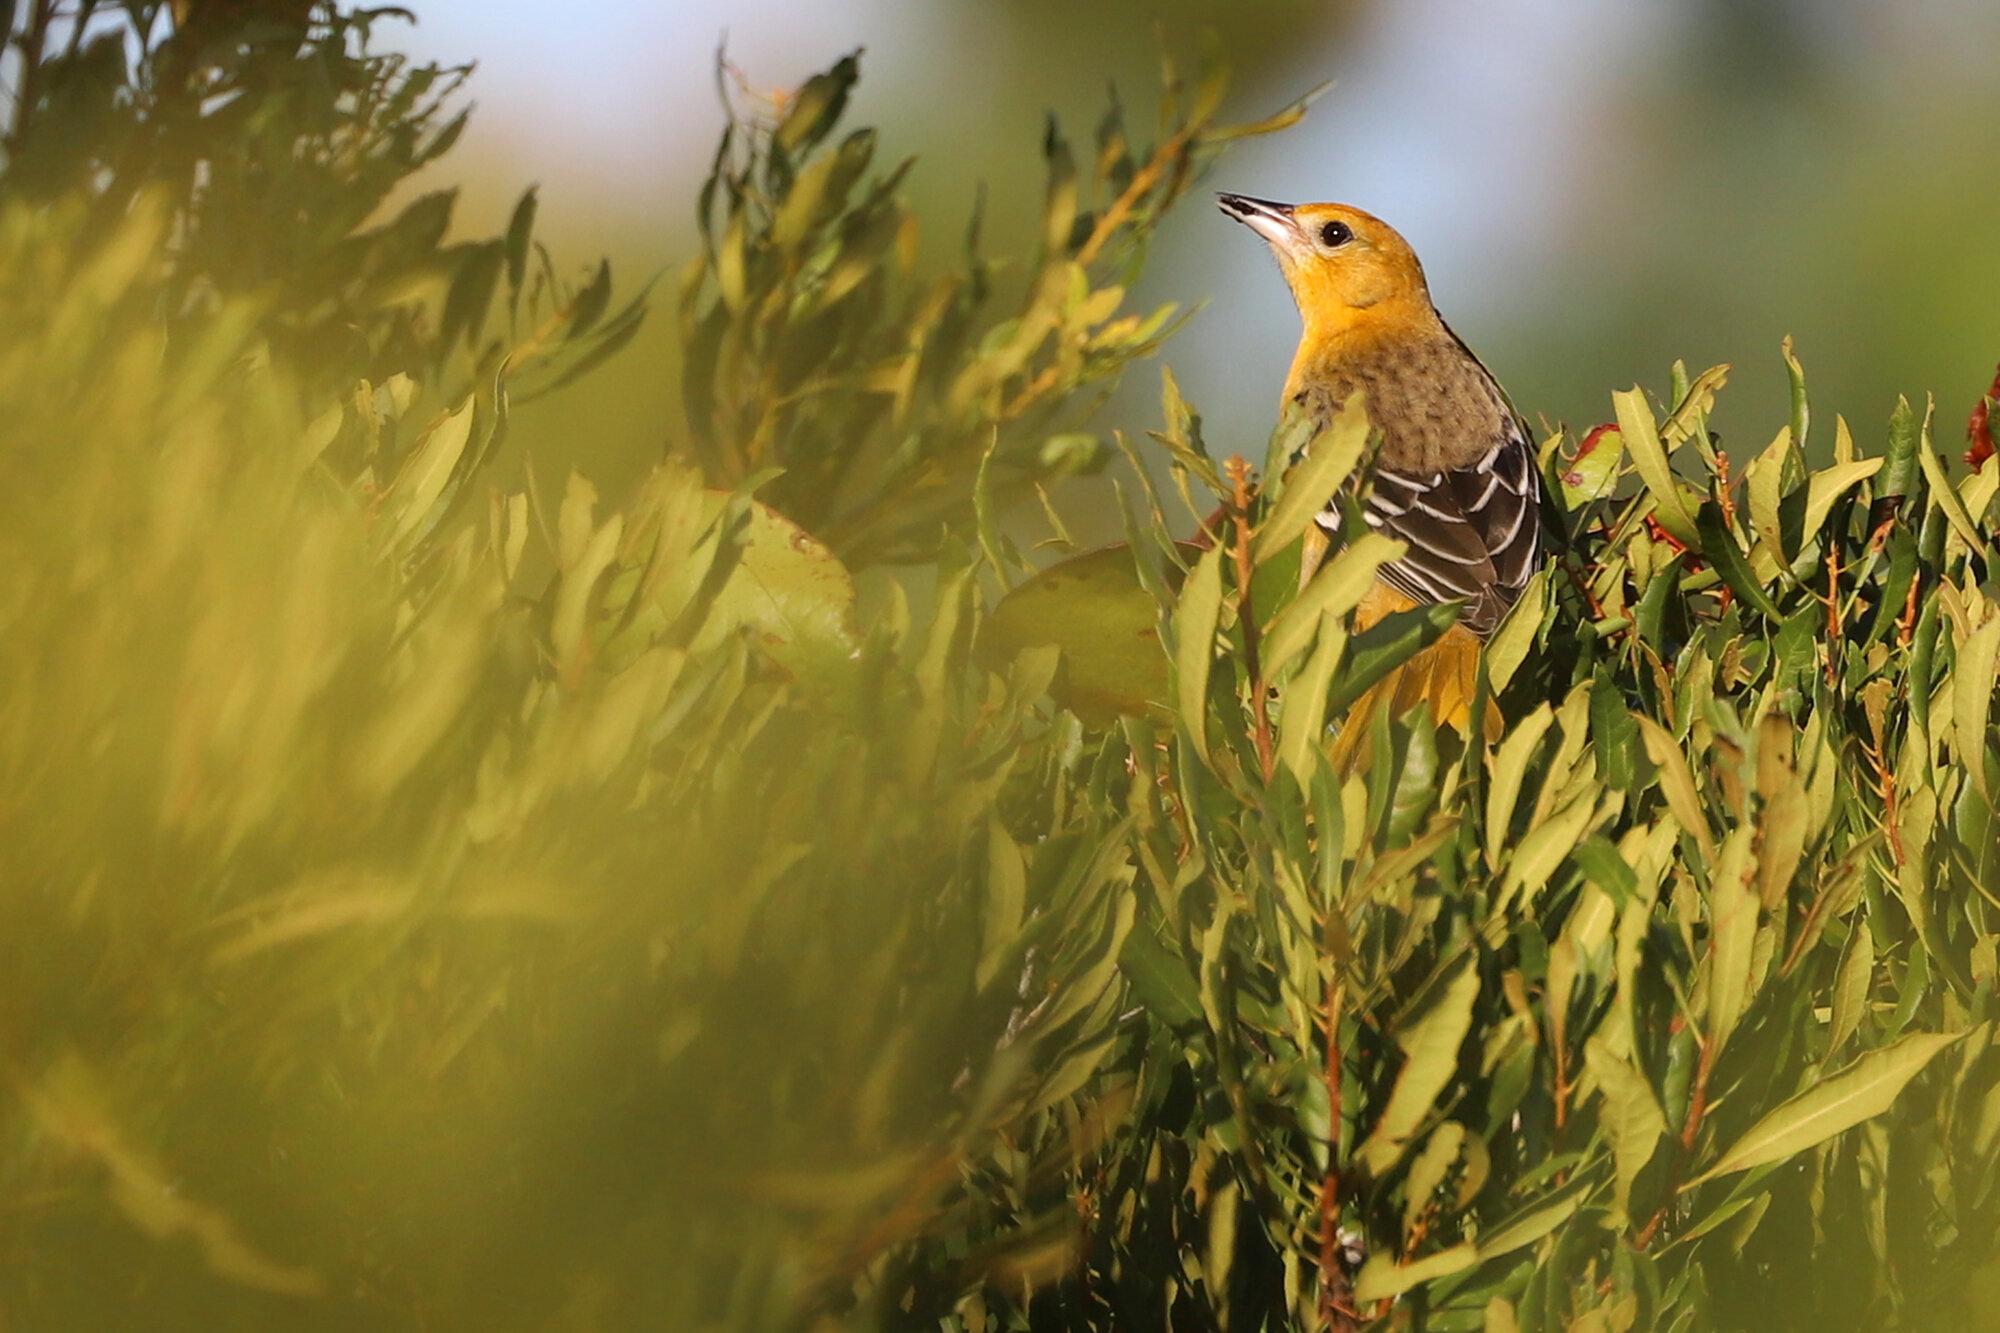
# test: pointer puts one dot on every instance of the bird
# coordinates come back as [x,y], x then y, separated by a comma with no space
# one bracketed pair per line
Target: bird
[1456,478]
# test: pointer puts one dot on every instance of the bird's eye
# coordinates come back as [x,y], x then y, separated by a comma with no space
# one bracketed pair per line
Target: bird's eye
[1335,234]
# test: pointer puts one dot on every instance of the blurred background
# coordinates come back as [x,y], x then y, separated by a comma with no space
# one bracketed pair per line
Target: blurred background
[1595,189]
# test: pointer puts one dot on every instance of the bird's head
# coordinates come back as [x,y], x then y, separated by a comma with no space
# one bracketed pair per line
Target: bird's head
[1338,260]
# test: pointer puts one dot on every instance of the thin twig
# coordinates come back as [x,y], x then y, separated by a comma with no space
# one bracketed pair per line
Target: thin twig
[1336,1297]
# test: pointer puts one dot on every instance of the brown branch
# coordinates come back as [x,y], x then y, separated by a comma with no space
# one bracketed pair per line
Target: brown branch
[1336,1294]
[1906,628]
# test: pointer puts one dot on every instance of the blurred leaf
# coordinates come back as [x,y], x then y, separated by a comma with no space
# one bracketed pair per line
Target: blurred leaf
[1863,1090]
[1382,1277]
[1094,608]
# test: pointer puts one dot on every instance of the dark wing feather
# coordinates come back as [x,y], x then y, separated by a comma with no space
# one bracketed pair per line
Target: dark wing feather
[1474,533]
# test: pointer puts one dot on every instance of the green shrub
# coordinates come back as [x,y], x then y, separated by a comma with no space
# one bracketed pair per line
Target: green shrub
[437,904]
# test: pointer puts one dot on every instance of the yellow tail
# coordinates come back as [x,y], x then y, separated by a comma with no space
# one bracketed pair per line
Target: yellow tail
[1444,675]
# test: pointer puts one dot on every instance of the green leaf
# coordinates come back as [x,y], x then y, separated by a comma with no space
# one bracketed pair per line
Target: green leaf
[1330,458]
[1630,1116]
[1382,1277]
[1159,979]
[1823,488]
[1851,986]
[1899,462]
[423,476]
[1718,545]
[1676,782]
[1510,643]
[1194,622]
[1945,495]
[1591,473]
[520,230]
[1531,1224]
[1972,696]
[1302,726]
[1732,913]
[1863,1090]
[1642,438]
[1543,848]
[1285,119]
[1431,1044]
[1335,590]
[1509,767]
[1006,894]
[817,105]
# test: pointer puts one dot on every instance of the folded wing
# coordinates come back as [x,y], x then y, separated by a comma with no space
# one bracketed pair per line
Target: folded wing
[1474,533]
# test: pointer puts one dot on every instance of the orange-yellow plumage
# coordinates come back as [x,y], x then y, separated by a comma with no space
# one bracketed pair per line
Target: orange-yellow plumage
[1455,480]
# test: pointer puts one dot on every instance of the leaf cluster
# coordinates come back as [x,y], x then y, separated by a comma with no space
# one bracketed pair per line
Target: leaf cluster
[816,348]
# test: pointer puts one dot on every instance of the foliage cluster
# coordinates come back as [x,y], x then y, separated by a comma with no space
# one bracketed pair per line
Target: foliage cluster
[431,904]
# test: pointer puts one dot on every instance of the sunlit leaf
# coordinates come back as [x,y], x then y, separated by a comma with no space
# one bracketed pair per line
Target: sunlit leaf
[1863,1090]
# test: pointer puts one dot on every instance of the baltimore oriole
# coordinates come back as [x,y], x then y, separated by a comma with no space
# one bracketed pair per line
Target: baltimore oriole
[1456,478]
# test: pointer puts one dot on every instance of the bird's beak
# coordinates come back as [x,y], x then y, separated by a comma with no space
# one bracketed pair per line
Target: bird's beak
[1274,222]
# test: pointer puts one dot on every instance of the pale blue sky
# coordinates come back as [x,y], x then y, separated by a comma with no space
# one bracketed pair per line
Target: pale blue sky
[1538,153]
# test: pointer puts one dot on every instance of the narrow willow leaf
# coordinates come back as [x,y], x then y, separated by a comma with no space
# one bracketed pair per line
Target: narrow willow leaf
[1530,1225]
[1694,403]
[1006,893]
[1823,488]
[1508,767]
[1972,695]
[1764,488]
[1285,119]
[1861,1092]
[1159,979]
[1630,1116]
[1508,647]
[1649,456]
[430,465]
[1431,1045]
[1781,841]
[1945,496]
[1801,410]
[1182,437]
[1335,590]
[1329,460]
[1732,913]
[1302,726]
[1719,545]
[1899,462]
[1851,986]
[1544,847]
[1382,1277]
[1676,781]
[1194,623]
[1069,1073]
[1428,1171]
[1221,1239]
